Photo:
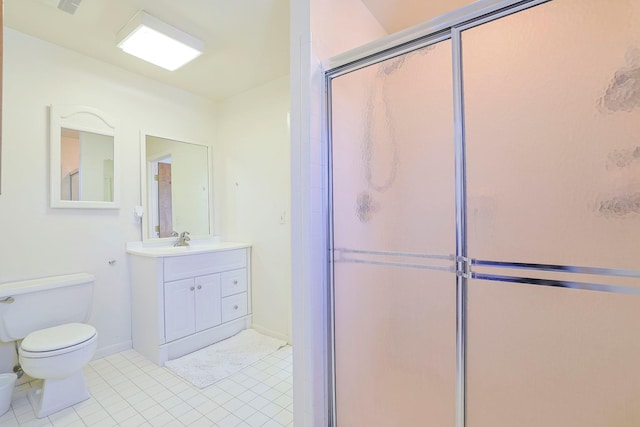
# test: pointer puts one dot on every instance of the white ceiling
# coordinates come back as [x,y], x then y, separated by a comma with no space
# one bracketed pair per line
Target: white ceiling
[396,15]
[247,41]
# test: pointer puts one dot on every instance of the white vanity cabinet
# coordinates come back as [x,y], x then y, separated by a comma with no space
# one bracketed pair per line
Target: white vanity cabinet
[186,299]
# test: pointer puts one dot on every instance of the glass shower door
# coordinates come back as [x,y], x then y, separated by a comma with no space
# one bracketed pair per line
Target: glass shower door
[393,241]
[552,124]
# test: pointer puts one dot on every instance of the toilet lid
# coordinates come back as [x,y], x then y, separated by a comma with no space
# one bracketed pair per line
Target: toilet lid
[58,337]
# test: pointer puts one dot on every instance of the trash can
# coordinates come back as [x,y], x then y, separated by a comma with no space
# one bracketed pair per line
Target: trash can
[7,381]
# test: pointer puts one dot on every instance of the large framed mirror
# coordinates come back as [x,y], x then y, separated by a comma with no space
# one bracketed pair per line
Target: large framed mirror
[176,187]
[84,158]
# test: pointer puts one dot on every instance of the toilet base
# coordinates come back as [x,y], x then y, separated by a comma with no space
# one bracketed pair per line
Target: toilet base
[55,395]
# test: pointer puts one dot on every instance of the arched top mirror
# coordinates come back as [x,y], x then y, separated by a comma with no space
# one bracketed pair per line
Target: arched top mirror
[84,158]
[176,187]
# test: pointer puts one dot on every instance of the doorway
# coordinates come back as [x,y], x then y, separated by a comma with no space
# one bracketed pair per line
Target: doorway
[160,196]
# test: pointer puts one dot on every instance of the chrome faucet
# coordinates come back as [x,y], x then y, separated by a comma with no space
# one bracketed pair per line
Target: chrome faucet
[183,240]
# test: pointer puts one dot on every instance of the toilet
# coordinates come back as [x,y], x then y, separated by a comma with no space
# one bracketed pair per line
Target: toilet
[48,315]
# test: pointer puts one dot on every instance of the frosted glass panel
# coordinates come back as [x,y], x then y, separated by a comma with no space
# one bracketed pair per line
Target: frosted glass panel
[393,156]
[540,356]
[552,109]
[394,221]
[395,346]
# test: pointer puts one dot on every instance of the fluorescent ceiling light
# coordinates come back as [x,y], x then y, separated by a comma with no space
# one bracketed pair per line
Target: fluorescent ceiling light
[154,41]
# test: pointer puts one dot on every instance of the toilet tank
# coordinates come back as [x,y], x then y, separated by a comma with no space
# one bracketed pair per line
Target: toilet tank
[29,305]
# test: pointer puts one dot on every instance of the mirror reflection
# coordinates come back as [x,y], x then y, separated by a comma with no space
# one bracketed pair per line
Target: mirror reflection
[177,187]
[86,166]
[84,150]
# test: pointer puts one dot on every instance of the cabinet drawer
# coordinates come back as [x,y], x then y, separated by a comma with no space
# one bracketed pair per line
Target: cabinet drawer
[234,306]
[234,282]
[181,267]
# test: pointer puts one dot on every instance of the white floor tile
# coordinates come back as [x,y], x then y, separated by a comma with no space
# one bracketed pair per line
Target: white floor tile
[283,417]
[283,400]
[125,414]
[207,407]
[247,396]
[64,417]
[172,402]
[257,419]
[230,421]
[222,398]
[180,409]
[259,402]
[95,417]
[188,418]
[143,404]
[134,421]
[202,422]
[244,412]
[153,411]
[38,422]
[232,405]
[164,419]
[271,394]
[127,390]
[198,400]
[271,409]
[217,414]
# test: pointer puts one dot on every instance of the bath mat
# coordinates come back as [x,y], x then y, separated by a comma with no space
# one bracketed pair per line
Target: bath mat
[217,361]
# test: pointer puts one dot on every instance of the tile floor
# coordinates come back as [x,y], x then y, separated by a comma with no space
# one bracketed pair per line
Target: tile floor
[128,390]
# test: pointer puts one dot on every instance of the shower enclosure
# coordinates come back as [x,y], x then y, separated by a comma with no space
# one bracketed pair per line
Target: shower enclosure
[484,203]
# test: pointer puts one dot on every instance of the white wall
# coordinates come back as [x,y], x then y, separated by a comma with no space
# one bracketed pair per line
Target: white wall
[253,166]
[338,26]
[39,241]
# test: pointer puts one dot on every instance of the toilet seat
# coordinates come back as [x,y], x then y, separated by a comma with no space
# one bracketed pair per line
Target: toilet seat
[57,340]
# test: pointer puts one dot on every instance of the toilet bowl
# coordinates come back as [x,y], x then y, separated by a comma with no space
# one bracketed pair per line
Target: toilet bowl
[56,355]
[47,316]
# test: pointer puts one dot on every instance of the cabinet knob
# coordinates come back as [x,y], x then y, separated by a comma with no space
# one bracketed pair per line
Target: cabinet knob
[192,288]
[235,307]
[235,282]
[199,286]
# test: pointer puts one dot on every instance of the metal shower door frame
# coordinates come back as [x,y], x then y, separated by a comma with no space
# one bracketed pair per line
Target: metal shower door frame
[448,27]
[385,54]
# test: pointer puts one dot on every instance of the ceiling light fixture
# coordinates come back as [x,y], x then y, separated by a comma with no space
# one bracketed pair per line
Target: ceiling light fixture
[154,41]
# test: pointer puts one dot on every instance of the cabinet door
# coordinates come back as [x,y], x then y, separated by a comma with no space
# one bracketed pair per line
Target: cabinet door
[179,314]
[207,303]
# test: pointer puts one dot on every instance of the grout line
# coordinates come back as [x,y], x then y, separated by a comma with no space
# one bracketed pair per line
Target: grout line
[116,393]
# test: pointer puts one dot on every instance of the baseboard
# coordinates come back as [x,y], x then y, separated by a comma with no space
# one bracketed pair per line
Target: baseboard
[191,343]
[112,349]
[271,333]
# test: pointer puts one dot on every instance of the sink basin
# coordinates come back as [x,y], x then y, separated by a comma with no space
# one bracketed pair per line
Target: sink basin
[138,248]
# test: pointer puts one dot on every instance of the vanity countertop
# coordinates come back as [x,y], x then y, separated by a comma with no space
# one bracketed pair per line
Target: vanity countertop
[155,251]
